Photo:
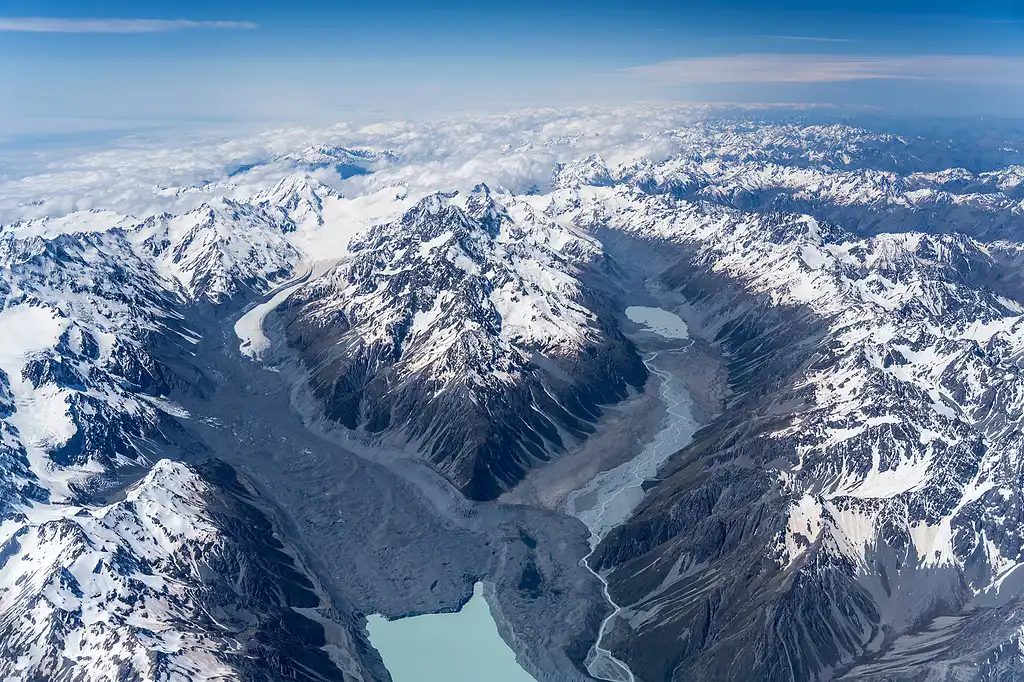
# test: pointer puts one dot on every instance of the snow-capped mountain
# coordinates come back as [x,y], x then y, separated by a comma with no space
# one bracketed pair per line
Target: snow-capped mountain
[467,332]
[877,393]
[855,513]
[80,315]
[838,146]
[591,171]
[182,579]
[345,161]
[299,199]
[220,248]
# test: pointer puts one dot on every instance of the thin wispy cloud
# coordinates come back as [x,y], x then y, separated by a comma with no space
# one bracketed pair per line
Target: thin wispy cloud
[59,25]
[812,39]
[804,68]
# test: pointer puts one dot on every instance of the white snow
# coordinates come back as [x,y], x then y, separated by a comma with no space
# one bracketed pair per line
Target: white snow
[41,415]
[345,218]
[812,256]
[891,327]
[100,548]
[78,221]
[431,244]
[25,330]
[249,327]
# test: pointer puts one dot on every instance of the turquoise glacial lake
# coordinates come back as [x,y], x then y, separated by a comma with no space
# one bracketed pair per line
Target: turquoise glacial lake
[446,647]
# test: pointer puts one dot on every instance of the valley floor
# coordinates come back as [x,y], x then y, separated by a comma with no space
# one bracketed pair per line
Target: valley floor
[390,535]
[393,537]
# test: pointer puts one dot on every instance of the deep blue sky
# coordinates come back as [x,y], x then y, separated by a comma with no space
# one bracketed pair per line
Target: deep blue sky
[318,60]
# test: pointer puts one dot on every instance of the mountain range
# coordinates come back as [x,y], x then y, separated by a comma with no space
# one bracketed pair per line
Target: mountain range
[850,508]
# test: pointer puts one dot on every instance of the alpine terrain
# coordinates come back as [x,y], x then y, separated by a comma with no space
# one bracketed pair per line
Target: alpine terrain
[695,394]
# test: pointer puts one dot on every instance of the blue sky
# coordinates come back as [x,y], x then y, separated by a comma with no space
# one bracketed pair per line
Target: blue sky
[67,65]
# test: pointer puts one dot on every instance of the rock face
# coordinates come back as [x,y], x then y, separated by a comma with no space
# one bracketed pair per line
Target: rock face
[839,520]
[222,248]
[184,579]
[186,576]
[467,333]
[80,312]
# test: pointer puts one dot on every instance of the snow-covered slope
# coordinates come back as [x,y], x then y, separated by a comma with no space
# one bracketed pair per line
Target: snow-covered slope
[80,313]
[869,450]
[467,332]
[183,579]
[221,248]
[299,199]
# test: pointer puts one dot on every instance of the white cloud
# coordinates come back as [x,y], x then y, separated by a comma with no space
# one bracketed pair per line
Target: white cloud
[810,68]
[58,25]
[513,151]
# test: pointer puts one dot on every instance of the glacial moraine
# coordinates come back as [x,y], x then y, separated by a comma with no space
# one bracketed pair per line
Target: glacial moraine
[420,546]
[611,496]
[384,532]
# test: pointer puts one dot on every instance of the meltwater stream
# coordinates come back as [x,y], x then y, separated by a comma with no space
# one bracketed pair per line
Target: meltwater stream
[611,496]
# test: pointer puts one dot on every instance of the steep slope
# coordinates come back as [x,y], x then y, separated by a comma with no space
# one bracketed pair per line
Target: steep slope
[855,514]
[298,199]
[184,579]
[221,248]
[871,447]
[79,312]
[467,333]
[863,195]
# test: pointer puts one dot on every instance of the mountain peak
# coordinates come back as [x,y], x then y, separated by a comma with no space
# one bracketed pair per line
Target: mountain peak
[591,171]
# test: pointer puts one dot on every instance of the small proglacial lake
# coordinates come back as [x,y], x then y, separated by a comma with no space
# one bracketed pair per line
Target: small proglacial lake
[659,321]
[446,647]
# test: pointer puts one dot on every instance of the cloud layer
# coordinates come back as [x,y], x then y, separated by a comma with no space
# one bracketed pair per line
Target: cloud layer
[141,177]
[57,25]
[810,68]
